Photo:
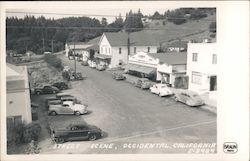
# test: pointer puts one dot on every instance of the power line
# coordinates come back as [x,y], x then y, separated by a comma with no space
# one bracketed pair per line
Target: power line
[94,28]
[97,15]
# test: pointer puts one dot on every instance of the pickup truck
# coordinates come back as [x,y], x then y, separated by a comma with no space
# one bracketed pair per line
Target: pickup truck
[67,107]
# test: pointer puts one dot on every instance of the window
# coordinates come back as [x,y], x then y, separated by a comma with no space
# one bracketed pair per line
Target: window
[134,49]
[148,49]
[196,78]
[195,56]
[120,50]
[101,50]
[109,50]
[106,51]
[214,61]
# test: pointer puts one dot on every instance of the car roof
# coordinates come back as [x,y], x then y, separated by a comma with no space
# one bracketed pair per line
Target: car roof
[78,123]
[62,94]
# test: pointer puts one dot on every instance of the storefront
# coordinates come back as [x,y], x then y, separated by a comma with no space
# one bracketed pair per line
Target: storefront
[142,65]
[102,59]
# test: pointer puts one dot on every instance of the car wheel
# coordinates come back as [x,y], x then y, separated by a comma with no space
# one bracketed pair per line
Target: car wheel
[176,99]
[77,113]
[53,113]
[92,137]
[38,93]
[59,140]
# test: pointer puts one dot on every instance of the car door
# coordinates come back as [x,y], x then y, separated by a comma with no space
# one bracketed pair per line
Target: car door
[65,109]
[154,89]
[78,133]
[184,97]
[46,90]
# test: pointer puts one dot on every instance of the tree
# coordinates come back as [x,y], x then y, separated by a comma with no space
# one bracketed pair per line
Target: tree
[104,22]
[133,22]
[157,16]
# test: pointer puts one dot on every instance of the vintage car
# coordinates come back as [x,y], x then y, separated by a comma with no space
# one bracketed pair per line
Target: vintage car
[76,131]
[161,90]
[76,76]
[67,107]
[118,76]
[84,63]
[61,85]
[189,97]
[143,83]
[46,90]
[92,64]
[100,67]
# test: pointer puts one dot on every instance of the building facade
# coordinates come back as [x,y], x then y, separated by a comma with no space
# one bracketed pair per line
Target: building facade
[18,95]
[171,67]
[202,67]
[115,46]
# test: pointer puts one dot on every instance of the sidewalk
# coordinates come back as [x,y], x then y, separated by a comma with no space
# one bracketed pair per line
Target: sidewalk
[210,102]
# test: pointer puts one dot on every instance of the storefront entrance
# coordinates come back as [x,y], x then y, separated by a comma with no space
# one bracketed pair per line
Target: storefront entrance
[213,83]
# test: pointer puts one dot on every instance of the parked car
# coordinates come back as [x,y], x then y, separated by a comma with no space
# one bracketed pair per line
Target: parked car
[76,131]
[67,107]
[92,64]
[84,63]
[189,97]
[161,90]
[100,67]
[143,83]
[61,85]
[76,76]
[118,76]
[46,90]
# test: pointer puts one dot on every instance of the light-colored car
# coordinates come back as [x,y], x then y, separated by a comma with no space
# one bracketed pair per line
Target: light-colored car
[92,64]
[161,90]
[100,67]
[189,97]
[67,107]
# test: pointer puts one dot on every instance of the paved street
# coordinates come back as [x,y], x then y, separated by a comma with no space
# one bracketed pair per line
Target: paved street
[130,115]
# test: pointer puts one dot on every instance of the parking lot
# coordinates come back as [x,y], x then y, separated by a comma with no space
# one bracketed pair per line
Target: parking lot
[130,117]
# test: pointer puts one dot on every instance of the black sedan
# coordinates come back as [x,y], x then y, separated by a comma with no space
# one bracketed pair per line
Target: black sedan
[76,131]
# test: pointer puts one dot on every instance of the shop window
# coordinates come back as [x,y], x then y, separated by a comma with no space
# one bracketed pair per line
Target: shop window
[148,49]
[134,49]
[120,50]
[196,77]
[195,57]
[214,61]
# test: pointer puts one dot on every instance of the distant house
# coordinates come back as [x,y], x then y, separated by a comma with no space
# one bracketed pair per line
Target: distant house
[178,46]
[80,49]
[202,67]
[114,47]
[18,106]
[171,66]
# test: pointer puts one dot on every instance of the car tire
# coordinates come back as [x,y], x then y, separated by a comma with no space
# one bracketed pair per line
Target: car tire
[53,113]
[176,99]
[77,113]
[59,140]
[92,137]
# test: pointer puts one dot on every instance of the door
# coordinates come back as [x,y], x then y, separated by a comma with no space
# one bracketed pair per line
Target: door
[47,89]
[78,134]
[213,83]
[65,109]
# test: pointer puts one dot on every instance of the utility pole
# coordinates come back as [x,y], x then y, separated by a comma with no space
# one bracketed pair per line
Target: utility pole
[43,45]
[74,57]
[128,44]
[52,47]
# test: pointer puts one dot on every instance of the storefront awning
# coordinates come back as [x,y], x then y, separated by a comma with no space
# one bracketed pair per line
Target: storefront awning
[102,56]
[139,68]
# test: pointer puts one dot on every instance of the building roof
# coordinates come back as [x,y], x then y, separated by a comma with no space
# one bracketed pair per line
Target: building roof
[95,40]
[136,39]
[171,58]
[180,44]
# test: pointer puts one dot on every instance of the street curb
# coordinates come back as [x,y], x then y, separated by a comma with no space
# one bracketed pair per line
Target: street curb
[210,109]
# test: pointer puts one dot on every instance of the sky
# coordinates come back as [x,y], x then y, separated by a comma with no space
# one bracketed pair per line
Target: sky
[66,9]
